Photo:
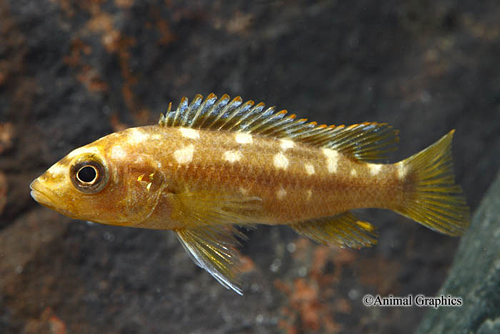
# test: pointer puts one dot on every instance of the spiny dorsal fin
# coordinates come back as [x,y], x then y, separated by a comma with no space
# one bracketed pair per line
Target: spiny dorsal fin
[366,141]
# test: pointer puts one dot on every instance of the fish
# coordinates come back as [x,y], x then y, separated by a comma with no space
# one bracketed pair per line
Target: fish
[215,166]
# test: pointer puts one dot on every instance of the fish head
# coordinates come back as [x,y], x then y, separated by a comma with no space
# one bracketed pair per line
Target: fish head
[106,182]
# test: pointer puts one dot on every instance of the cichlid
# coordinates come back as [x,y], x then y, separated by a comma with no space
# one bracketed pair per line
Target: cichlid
[215,163]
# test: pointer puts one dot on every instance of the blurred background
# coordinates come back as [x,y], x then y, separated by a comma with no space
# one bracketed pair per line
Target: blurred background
[74,71]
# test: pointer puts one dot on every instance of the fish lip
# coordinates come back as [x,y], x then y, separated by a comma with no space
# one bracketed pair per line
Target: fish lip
[41,195]
[47,198]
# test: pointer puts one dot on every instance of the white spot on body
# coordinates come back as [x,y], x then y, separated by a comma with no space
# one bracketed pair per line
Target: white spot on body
[118,153]
[232,156]
[184,155]
[332,157]
[280,161]
[375,168]
[281,193]
[354,172]
[190,133]
[309,195]
[401,170]
[136,135]
[58,169]
[82,150]
[243,138]
[309,169]
[286,144]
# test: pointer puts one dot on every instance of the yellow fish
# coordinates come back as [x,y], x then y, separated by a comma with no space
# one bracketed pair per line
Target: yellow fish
[215,163]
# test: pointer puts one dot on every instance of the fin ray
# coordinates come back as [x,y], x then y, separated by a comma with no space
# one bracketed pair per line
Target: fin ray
[343,230]
[197,208]
[367,141]
[209,235]
[433,198]
[213,248]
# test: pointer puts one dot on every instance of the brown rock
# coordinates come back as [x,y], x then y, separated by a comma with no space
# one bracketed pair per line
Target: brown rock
[3,191]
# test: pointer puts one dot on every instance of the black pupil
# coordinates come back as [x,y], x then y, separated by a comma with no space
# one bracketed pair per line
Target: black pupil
[87,174]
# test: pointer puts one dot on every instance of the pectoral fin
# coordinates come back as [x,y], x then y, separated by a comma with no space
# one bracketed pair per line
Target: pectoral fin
[213,248]
[198,208]
[343,230]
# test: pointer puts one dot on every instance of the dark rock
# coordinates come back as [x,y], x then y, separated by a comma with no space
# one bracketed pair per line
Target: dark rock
[474,276]
[3,191]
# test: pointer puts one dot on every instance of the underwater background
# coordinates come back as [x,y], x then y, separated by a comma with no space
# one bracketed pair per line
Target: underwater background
[74,71]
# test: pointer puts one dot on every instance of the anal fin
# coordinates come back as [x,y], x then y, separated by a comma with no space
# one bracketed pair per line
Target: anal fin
[343,230]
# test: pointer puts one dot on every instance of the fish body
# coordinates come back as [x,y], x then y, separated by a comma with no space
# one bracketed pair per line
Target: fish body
[213,164]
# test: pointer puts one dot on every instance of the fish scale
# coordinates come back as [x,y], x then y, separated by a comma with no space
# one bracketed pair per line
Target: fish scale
[256,169]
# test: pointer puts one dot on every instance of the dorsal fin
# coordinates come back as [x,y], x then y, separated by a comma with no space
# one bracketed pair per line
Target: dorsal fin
[365,141]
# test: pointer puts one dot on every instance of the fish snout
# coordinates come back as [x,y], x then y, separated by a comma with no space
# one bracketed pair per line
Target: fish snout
[41,193]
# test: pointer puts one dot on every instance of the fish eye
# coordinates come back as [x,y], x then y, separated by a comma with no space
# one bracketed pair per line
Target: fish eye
[89,175]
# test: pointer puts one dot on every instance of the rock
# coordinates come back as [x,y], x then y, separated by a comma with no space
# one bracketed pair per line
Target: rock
[22,241]
[6,136]
[474,276]
[3,191]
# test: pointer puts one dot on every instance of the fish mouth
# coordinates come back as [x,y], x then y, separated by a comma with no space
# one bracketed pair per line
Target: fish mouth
[41,194]
[47,198]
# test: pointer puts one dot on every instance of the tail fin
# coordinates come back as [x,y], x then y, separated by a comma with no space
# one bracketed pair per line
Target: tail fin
[432,198]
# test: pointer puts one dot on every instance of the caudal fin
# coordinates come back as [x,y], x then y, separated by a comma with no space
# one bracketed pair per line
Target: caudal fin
[431,196]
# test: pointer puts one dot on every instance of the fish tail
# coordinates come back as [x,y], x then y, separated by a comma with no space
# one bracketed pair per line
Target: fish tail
[431,196]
